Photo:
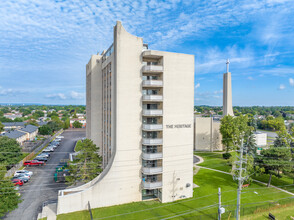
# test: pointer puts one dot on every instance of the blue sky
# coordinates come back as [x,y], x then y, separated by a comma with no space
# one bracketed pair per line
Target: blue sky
[45,45]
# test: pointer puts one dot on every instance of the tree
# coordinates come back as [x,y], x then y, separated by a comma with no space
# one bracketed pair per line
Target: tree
[283,139]
[66,123]
[32,122]
[38,114]
[10,151]
[8,195]
[233,129]
[55,125]
[276,161]
[77,124]
[86,165]
[45,130]
[227,131]
[1,127]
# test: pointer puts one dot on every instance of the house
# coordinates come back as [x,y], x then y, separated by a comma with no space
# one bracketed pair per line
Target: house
[31,132]
[19,136]
[13,116]
[13,125]
[81,120]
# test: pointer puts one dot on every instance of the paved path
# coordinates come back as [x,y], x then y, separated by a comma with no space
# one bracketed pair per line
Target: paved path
[42,187]
[197,159]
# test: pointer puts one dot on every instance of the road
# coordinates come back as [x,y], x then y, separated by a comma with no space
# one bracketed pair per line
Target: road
[271,134]
[42,187]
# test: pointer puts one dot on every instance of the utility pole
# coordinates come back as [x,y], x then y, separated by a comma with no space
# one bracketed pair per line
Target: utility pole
[240,178]
[219,203]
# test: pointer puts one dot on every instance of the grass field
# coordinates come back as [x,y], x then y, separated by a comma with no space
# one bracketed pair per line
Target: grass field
[216,161]
[282,212]
[205,195]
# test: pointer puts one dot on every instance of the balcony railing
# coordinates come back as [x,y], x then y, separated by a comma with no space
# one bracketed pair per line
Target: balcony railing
[152,68]
[152,170]
[152,83]
[152,141]
[152,127]
[152,54]
[152,98]
[152,185]
[152,112]
[152,156]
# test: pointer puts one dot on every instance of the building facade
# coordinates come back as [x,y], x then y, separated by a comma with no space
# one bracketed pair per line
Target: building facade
[207,135]
[140,113]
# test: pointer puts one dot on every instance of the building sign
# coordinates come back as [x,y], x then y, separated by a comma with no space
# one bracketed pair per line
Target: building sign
[179,126]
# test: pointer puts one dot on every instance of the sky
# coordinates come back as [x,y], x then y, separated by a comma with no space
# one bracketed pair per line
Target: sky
[45,45]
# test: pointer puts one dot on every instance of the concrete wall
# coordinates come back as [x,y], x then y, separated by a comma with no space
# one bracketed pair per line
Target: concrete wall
[120,181]
[207,136]
[260,139]
[227,95]
[178,107]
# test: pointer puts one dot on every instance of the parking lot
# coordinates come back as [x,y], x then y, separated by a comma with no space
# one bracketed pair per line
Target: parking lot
[42,187]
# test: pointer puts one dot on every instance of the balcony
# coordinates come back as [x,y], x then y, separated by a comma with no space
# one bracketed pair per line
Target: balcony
[152,69]
[152,141]
[152,127]
[156,98]
[151,170]
[153,83]
[152,54]
[152,185]
[152,112]
[152,156]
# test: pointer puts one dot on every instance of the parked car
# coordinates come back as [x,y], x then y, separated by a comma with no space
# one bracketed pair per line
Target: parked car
[17,182]
[24,171]
[45,154]
[33,163]
[46,150]
[52,146]
[59,137]
[22,174]
[44,159]
[25,179]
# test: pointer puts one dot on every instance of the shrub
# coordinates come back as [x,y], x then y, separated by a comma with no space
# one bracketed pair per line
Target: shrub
[227,156]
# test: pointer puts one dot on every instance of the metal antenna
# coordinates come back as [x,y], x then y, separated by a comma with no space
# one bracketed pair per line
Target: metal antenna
[228,62]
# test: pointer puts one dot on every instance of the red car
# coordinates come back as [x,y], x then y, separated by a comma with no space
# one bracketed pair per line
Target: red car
[33,163]
[17,182]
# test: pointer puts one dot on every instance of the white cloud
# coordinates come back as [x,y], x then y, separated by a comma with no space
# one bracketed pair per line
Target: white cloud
[250,78]
[218,91]
[291,81]
[282,87]
[77,95]
[60,96]
[197,85]
[11,92]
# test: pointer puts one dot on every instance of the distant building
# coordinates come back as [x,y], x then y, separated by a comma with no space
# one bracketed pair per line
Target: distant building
[207,136]
[19,136]
[81,120]
[260,140]
[12,116]
[31,132]
[13,125]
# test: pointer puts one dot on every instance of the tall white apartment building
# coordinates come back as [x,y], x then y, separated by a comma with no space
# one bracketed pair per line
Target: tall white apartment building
[140,105]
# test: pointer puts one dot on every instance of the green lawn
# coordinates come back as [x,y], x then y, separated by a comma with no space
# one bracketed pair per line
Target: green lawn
[216,161]
[280,212]
[205,195]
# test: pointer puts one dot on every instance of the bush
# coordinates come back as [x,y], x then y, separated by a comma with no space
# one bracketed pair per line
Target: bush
[227,156]
[45,130]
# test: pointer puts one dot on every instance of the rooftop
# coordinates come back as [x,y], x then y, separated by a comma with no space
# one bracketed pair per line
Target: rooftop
[29,128]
